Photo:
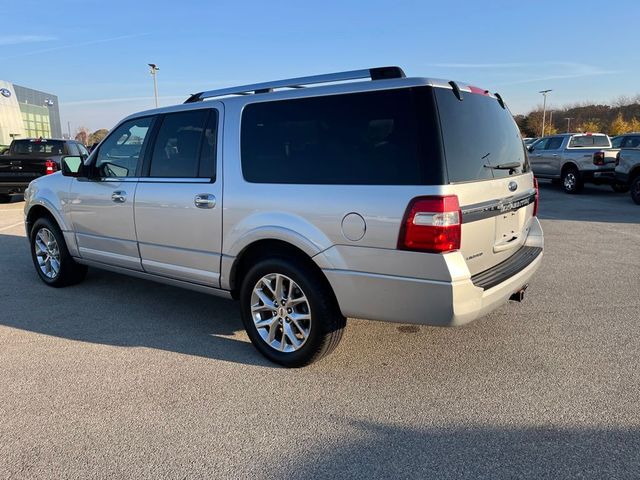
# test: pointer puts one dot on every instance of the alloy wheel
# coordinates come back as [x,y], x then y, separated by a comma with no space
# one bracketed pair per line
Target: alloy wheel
[47,252]
[281,312]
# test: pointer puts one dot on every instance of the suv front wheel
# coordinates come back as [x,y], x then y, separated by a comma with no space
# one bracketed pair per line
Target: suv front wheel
[52,260]
[289,312]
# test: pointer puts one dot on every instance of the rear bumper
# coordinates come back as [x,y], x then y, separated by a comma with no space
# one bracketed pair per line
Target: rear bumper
[437,302]
[599,176]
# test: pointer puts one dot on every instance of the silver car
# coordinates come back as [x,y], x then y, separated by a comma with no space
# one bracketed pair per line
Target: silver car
[357,194]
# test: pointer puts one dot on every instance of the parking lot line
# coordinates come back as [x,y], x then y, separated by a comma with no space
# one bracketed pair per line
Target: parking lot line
[11,226]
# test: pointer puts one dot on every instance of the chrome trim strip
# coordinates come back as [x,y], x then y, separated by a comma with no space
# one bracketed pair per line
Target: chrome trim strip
[493,208]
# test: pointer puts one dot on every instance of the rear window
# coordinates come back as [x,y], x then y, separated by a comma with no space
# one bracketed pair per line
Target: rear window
[38,147]
[478,134]
[373,138]
[587,141]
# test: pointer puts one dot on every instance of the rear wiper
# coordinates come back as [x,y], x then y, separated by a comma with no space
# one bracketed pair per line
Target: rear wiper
[505,166]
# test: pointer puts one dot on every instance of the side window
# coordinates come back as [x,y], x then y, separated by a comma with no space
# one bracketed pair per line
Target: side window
[119,154]
[616,142]
[371,138]
[73,149]
[542,144]
[83,149]
[631,142]
[183,140]
[554,143]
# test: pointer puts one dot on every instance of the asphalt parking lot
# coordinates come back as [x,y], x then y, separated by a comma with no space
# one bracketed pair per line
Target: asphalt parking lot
[127,378]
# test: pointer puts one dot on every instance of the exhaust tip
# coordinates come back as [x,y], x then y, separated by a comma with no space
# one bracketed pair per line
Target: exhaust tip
[519,295]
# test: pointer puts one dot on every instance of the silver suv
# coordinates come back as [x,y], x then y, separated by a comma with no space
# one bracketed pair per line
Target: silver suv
[388,198]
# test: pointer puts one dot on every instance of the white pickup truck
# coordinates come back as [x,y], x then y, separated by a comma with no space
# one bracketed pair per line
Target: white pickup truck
[575,158]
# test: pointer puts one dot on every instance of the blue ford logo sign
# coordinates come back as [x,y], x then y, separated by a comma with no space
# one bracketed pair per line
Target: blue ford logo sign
[513,186]
[5,92]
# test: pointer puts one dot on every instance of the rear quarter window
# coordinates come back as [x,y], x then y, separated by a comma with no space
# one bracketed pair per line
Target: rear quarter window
[374,138]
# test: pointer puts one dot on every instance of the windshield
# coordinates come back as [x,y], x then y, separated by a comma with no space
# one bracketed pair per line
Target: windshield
[481,139]
[38,147]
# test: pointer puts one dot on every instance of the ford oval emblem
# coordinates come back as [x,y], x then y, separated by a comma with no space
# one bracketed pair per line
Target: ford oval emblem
[513,186]
[5,92]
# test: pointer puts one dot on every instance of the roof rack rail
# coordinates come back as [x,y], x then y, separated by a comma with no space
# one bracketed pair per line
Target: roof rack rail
[378,73]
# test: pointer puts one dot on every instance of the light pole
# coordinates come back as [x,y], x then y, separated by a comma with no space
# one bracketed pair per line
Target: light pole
[568,119]
[544,107]
[153,69]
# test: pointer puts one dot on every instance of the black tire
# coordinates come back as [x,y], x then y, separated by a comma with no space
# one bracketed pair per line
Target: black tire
[571,180]
[635,189]
[69,272]
[619,187]
[326,324]
[4,198]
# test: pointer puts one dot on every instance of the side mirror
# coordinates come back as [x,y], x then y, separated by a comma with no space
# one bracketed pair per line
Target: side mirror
[72,166]
[531,148]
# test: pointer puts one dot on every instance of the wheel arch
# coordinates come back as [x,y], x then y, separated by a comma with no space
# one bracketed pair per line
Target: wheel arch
[569,164]
[269,248]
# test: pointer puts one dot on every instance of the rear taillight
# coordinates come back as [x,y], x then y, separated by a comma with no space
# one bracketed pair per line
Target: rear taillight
[432,224]
[618,158]
[598,158]
[537,200]
[50,167]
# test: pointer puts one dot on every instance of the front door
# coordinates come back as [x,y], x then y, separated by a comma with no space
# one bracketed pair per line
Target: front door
[178,203]
[101,207]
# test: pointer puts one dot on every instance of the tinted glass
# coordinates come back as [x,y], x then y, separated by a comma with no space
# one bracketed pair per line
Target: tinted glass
[83,149]
[631,142]
[478,134]
[616,142]
[73,149]
[176,152]
[119,154]
[540,144]
[38,147]
[207,168]
[373,138]
[554,143]
[589,141]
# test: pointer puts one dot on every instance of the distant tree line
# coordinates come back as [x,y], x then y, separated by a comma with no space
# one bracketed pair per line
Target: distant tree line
[84,136]
[622,116]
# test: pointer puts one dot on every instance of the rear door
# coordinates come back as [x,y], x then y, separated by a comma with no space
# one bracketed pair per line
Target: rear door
[178,204]
[536,158]
[488,170]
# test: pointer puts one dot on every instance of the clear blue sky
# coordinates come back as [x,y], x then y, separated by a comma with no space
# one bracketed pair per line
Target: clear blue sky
[94,55]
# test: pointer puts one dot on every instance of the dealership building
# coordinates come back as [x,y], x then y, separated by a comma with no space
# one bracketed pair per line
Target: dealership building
[27,113]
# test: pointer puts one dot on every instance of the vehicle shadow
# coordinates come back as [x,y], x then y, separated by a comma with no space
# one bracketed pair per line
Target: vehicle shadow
[386,451]
[596,203]
[118,310]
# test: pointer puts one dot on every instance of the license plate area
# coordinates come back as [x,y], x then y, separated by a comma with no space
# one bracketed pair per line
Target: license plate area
[508,231]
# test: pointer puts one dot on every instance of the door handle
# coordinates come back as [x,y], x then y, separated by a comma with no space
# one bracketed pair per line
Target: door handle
[205,200]
[554,155]
[119,196]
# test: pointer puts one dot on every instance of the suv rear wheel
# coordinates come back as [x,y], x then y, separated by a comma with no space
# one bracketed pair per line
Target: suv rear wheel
[635,189]
[52,260]
[289,312]
[571,181]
